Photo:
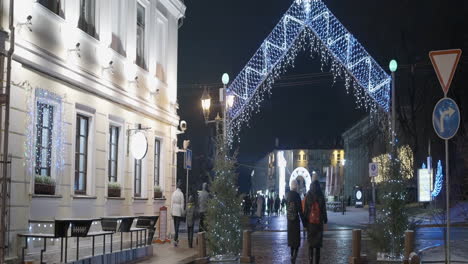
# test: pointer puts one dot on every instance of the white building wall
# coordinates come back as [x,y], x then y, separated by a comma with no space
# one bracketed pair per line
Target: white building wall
[43,60]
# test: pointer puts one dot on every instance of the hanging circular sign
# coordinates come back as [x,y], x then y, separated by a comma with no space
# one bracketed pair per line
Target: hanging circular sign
[138,145]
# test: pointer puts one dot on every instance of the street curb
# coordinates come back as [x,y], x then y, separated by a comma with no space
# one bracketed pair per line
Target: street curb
[443,225]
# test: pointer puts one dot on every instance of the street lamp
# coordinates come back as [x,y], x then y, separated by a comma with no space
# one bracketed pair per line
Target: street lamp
[206,104]
[393,66]
[226,99]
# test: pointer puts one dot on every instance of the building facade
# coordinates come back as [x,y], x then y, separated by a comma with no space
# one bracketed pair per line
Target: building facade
[86,76]
[277,169]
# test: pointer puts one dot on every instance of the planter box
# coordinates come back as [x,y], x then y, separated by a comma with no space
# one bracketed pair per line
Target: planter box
[46,189]
[113,192]
[157,195]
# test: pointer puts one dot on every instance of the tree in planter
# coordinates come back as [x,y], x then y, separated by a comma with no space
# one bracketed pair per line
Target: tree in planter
[224,206]
[113,189]
[157,191]
[44,185]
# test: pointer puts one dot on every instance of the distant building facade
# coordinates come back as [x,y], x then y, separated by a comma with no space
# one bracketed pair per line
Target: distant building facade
[274,172]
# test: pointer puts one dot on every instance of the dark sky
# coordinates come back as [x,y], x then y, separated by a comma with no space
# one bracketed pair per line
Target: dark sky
[221,36]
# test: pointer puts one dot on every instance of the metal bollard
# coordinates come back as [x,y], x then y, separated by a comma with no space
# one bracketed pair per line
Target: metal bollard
[409,243]
[247,248]
[202,258]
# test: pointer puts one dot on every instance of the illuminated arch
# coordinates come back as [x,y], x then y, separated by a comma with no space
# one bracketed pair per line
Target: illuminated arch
[304,173]
[307,22]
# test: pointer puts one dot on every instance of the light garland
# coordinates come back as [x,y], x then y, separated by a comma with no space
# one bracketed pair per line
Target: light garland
[57,150]
[307,22]
[439,180]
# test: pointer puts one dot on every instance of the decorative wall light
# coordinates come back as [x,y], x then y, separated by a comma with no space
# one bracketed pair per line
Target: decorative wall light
[109,67]
[77,50]
[27,23]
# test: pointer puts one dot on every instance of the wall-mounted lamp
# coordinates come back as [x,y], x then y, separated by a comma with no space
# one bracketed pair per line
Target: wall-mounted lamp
[76,49]
[134,81]
[27,23]
[110,67]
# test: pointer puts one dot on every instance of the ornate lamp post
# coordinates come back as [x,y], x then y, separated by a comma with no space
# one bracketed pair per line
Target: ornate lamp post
[226,102]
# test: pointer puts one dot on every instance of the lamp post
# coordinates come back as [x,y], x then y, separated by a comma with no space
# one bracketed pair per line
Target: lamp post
[227,101]
[393,66]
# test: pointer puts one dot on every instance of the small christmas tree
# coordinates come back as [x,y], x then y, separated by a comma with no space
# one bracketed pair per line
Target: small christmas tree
[392,218]
[224,207]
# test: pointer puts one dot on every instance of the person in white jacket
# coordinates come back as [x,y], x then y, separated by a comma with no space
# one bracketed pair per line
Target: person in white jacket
[178,212]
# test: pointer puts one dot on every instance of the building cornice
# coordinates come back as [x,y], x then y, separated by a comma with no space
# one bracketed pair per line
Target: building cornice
[36,59]
[176,7]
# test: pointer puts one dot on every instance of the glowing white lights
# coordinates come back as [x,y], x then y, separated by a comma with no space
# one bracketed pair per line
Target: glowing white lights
[304,173]
[282,173]
[438,181]
[138,145]
[311,23]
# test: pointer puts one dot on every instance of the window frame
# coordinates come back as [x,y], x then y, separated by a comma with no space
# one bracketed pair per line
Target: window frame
[60,9]
[145,58]
[137,164]
[157,162]
[118,8]
[77,173]
[162,33]
[38,139]
[117,156]
[86,30]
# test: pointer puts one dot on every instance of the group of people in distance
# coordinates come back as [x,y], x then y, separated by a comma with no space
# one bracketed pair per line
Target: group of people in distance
[189,212]
[312,212]
[261,205]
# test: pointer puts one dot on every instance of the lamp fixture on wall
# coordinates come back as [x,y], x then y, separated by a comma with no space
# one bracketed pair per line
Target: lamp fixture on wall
[27,23]
[109,67]
[76,49]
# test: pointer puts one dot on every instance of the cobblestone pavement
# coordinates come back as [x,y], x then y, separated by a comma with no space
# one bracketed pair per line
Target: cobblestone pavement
[272,247]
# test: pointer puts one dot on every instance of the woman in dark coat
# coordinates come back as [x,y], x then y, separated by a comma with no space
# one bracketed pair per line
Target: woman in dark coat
[295,216]
[315,223]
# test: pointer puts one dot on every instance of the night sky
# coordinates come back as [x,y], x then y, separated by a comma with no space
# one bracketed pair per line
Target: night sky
[305,107]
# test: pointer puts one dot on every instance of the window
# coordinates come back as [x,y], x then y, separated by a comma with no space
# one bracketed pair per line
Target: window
[44,128]
[53,5]
[140,47]
[137,180]
[161,42]
[157,160]
[81,153]
[118,26]
[87,20]
[113,152]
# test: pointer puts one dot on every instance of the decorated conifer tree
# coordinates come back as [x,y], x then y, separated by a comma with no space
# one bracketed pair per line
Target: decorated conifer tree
[224,206]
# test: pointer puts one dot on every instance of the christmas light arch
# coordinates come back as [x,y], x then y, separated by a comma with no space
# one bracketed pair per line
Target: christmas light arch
[307,22]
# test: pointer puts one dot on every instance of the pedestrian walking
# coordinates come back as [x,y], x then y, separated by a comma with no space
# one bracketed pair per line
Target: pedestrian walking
[203,197]
[283,204]
[277,205]
[259,208]
[190,219]
[177,206]
[316,217]
[271,204]
[294,216]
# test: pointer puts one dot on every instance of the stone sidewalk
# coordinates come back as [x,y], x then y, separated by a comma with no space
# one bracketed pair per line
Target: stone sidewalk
[168,254]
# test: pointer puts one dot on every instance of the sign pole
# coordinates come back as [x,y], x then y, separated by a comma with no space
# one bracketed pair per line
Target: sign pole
[447,187]
[186,189]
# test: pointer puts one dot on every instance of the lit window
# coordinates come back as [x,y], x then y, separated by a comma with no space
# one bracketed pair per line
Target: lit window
[81,153]
[44,128]
[113,152]
[137,180]
[157,160]
[140,48]
[87,20]
[53,5]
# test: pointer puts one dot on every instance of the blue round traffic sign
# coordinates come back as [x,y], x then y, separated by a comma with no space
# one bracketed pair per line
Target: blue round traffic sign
[446,118]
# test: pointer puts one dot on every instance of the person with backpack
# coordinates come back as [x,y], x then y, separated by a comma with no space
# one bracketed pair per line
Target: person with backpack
[294,216]
[315,214]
